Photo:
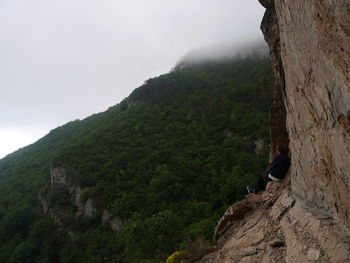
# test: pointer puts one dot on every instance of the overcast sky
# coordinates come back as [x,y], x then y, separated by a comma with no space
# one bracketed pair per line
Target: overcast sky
[62,60]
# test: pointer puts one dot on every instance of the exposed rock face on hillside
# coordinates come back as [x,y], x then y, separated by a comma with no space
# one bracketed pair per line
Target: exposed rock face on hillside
[310,49]
[63,201]
[270,28]
[308,219]
[273,228]
[314,46]
[315,50]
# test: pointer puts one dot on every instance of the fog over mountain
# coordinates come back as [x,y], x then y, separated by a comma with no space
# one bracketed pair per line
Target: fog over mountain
[65,60]
[257,48]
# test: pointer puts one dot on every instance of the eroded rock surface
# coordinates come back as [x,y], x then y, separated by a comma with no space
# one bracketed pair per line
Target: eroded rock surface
[276,228]
[315,50]
[307,220]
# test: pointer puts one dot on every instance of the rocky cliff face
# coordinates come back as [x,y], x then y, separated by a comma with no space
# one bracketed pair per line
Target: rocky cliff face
[63,200]
[273,227]
[315,50]
[306,219]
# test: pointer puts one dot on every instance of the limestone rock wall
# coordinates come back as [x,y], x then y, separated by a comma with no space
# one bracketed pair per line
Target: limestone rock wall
[315,52]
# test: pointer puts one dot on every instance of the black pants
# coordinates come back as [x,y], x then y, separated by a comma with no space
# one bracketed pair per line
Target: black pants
[263,178]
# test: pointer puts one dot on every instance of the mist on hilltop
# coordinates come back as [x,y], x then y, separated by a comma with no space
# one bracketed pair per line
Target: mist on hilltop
[227,51]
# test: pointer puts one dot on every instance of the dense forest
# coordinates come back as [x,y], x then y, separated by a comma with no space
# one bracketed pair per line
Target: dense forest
[168,161]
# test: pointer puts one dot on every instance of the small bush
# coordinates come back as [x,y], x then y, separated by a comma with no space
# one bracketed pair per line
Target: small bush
[176,257]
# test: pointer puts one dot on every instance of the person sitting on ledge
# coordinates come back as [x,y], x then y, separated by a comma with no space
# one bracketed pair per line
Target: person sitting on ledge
[275,171]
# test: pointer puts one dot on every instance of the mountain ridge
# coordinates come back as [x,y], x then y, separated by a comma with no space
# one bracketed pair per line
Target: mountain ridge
[165,162]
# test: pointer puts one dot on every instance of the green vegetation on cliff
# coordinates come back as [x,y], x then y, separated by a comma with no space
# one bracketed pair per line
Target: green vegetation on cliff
[168,160]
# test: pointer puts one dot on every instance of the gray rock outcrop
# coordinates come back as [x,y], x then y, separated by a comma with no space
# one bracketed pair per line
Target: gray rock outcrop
[315,50]
[62,200]
[306,219]
[273,227]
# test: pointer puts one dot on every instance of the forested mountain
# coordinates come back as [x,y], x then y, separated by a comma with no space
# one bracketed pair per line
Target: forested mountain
[164,164]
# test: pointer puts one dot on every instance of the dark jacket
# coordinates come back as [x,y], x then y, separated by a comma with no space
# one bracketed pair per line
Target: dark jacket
[279,166]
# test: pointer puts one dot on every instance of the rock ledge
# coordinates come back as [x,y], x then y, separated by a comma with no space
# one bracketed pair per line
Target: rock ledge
[275,227]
